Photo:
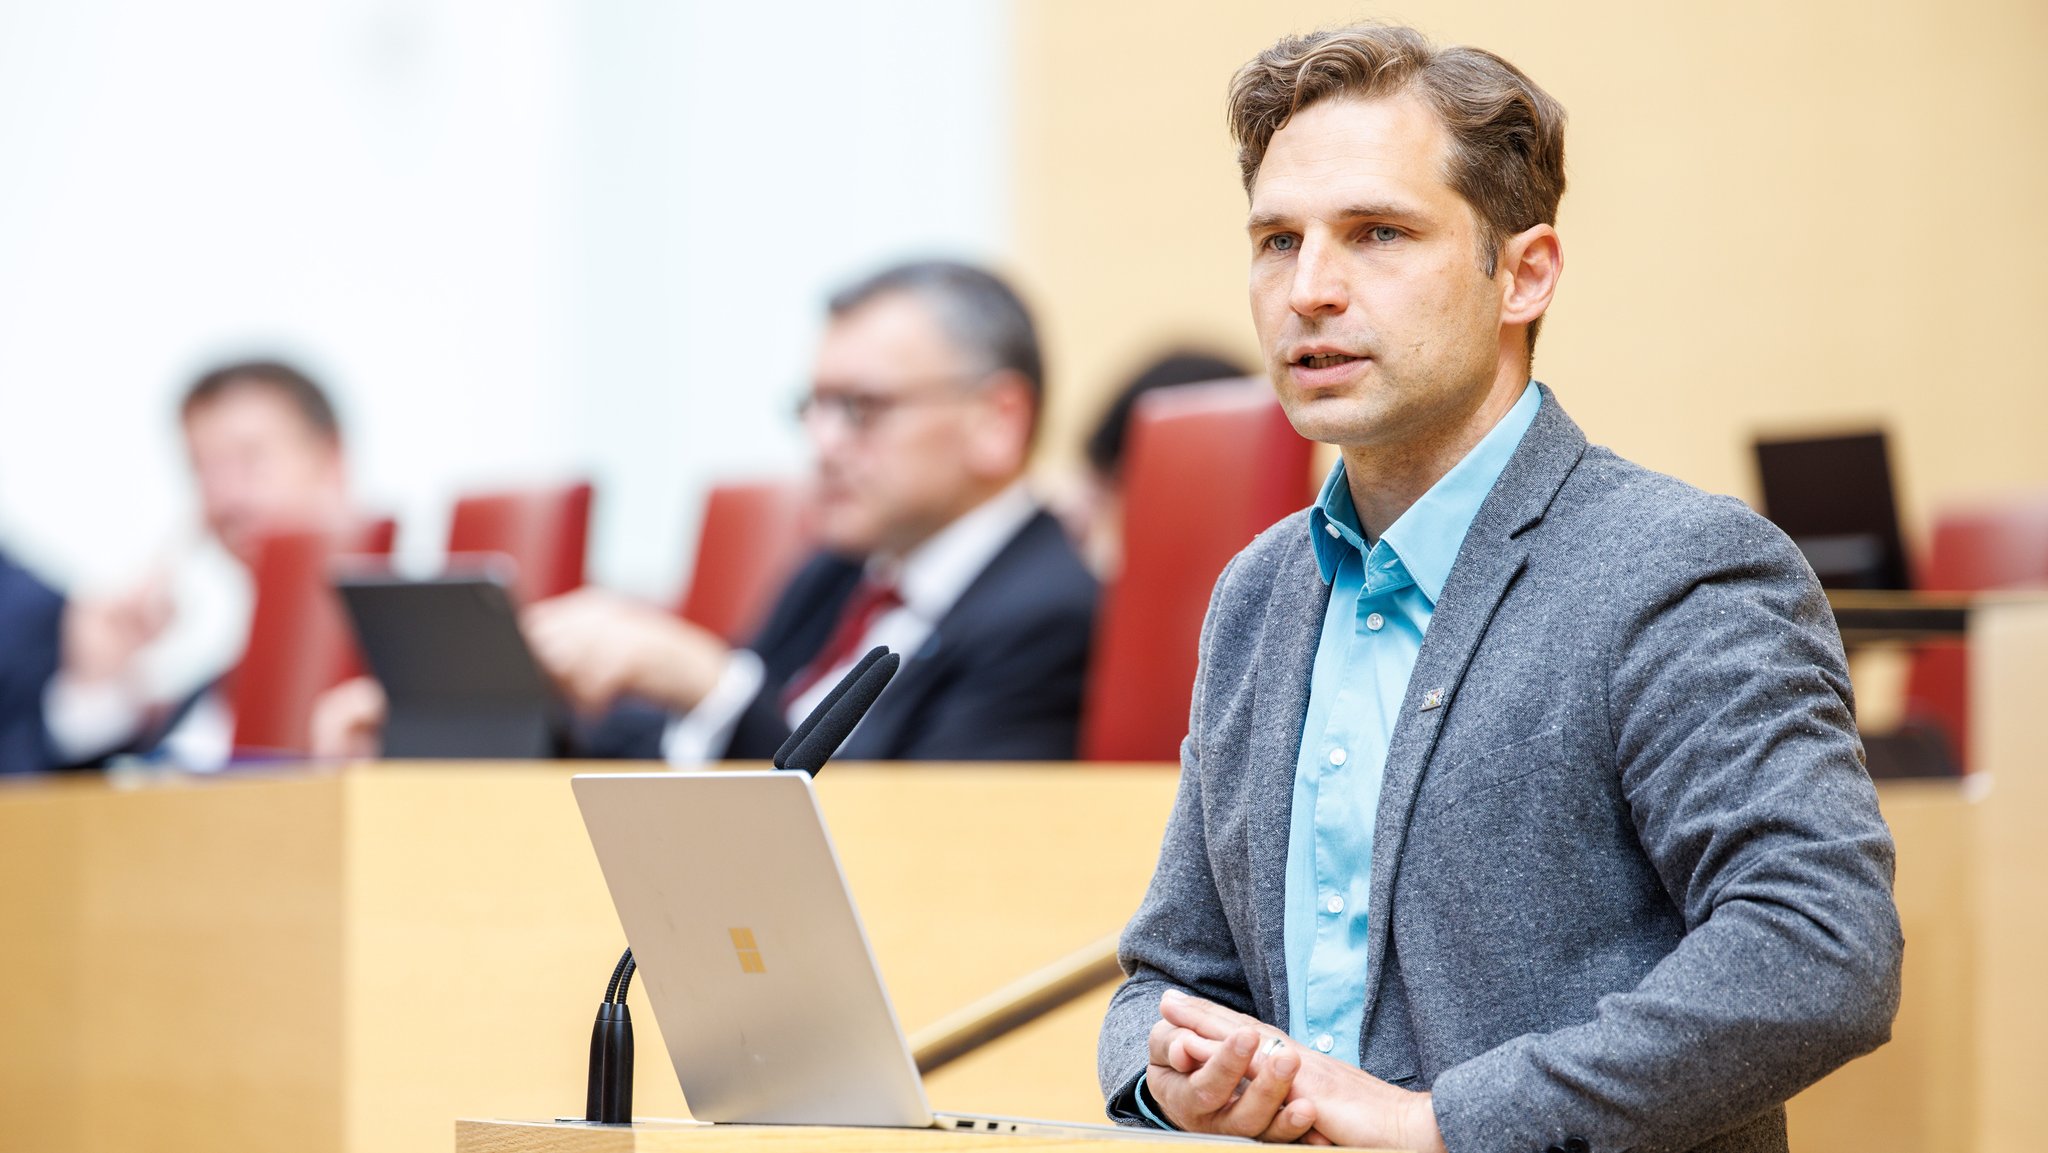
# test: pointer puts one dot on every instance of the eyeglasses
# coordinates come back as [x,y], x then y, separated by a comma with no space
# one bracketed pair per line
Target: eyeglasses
[859,410]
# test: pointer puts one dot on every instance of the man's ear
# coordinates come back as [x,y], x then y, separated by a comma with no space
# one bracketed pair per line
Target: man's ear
[1530,263]
[999,439]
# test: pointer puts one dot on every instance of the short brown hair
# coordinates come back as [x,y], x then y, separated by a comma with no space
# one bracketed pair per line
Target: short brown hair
[287,381]
[1507,135]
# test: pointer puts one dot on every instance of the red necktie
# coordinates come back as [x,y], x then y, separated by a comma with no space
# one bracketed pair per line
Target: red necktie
[870,599]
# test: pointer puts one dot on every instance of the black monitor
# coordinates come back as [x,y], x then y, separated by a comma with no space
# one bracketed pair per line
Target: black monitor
[1833,496]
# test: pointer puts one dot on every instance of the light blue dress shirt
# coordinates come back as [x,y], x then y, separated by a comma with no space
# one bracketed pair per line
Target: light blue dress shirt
[1381,599]
[1382,596]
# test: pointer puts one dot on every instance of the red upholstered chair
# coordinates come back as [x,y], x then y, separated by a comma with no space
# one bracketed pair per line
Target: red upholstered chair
[1207,467]
[754,535]
[1974,549]
[544,530]
[300,642]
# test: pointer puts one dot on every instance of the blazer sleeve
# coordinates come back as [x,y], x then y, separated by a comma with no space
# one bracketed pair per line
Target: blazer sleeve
[1018,698]
[1180,937]
[1734,738]
[31,636]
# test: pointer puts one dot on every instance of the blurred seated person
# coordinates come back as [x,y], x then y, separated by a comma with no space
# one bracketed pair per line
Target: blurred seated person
[921,413]
[47,639]
[266,454]
[1091,506]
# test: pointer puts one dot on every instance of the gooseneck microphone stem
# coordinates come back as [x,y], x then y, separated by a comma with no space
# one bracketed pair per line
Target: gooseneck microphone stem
[609,1100]
[622,978]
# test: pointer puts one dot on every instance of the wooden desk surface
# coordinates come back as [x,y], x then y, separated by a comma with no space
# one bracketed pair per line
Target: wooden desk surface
[690,1137]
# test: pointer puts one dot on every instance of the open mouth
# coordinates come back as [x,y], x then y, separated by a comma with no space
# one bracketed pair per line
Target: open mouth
[1327,360]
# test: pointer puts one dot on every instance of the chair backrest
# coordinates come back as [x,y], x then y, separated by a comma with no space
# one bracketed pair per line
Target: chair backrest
[1207,467]
[300,643]
[754,535]
[1974,550]
[546,532]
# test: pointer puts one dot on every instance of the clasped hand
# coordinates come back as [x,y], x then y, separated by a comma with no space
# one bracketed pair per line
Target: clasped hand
[1217,1071]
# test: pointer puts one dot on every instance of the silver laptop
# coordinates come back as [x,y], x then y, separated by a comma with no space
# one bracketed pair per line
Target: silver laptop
[754,959]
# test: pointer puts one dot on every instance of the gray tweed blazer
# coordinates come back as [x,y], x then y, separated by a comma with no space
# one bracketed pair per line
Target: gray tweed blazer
[1630,888]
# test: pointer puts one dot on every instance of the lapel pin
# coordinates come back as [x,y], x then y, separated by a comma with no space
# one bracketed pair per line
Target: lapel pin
[1432,699]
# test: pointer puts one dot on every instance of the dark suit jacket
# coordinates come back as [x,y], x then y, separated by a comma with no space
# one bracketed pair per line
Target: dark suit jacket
[1629,883]
[1000,678]
[31,627]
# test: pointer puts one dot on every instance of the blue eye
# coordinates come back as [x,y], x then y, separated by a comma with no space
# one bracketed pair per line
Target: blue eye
[1281,243]
[1386,234]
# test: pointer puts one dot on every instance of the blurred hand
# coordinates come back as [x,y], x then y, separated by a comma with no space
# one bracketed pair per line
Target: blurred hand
[600,646]
[1345,1104]
[348,720]
[104,635]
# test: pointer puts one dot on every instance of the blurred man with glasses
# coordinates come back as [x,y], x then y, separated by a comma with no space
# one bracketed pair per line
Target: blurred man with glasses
[921,412]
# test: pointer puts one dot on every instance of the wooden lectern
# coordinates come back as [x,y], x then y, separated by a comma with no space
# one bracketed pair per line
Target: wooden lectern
[692,1137]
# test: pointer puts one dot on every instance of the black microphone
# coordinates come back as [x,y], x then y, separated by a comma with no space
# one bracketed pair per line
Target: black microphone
[834,727]
[608,1099]
[796,736]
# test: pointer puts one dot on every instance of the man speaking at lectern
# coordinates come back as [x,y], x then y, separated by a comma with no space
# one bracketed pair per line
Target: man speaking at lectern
[1521,806]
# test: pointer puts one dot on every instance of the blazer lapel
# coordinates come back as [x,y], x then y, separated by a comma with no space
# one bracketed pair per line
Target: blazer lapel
[1285,663]
[1488,563]
[880,733]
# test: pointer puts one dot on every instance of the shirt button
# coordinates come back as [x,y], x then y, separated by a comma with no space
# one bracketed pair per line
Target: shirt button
[1332,529]
[1337,756]
[1375,622]
[1325,1043]
[1334,904]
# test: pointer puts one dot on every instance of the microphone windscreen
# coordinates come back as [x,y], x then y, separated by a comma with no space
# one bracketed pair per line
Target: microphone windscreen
[837,725]
[797,735]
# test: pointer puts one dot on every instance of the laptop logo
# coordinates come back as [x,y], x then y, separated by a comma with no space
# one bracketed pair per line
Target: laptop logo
[749,952]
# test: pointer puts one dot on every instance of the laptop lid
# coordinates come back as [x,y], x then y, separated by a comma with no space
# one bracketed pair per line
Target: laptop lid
[750,949]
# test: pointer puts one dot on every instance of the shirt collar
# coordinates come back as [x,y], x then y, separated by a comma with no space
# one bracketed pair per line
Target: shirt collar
[931,577]
[1426,538]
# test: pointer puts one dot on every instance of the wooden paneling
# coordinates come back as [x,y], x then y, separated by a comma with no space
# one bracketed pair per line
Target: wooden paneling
[180,965]
[2009,682]
[1916,1093]
[1717,213]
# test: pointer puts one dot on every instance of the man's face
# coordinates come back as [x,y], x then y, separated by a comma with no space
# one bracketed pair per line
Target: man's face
[894,423]
[260,465]
[1379,324]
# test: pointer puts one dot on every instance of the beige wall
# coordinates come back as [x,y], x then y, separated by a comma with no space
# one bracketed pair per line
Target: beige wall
[1781,215]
